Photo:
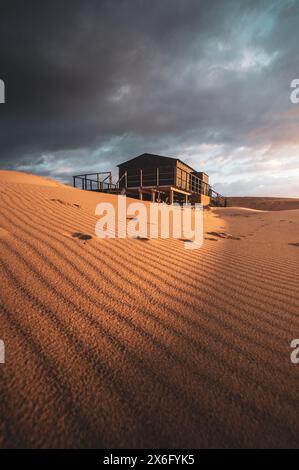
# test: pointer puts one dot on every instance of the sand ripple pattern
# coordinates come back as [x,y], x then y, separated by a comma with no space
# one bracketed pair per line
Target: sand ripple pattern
[141,343]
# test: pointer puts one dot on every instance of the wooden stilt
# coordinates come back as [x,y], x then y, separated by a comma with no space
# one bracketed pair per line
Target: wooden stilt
[171,197]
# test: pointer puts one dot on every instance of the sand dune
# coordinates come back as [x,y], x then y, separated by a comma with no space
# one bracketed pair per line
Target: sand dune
[141,343]
[265,203]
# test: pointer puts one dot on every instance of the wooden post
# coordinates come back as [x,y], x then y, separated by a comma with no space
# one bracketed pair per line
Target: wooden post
[158,177]
[126,179]
[140,195]
[85,182]
[153,196]
[74,181]
[110,181]
[186,198]
[171,197]
[98,181]
[141,179]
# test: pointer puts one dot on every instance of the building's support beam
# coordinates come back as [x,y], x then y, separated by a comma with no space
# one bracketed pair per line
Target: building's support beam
[171,196]
[180,191]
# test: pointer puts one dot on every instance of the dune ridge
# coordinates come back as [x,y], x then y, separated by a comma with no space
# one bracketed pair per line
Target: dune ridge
[141,343]
[264,203]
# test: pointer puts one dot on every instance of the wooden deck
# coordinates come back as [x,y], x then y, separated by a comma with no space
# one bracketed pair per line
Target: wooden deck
[156,187]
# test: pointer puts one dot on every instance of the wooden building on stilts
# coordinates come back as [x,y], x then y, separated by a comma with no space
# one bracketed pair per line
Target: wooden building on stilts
[155,178]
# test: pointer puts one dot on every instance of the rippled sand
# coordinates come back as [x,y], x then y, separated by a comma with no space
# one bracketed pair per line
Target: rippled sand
[142,343]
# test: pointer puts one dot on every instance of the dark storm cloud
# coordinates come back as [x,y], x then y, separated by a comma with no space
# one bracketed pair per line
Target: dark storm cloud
[90,83]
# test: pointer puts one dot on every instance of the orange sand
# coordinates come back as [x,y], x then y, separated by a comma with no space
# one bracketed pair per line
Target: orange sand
[135,343]
[265,203]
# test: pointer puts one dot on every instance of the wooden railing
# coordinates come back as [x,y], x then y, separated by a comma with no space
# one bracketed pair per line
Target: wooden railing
[101,182]
[94,181]
[163,176]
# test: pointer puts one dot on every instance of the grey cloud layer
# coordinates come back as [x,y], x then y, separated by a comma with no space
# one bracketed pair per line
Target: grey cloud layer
[91,83]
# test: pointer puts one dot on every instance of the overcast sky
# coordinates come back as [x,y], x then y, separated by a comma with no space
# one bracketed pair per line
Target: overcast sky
[92,83]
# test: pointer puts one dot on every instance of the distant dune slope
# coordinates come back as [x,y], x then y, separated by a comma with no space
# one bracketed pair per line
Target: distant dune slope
[142,343]
[26,178]
[265,203]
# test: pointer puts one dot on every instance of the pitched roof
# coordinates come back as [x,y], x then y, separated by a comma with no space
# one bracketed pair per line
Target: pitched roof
[150,155]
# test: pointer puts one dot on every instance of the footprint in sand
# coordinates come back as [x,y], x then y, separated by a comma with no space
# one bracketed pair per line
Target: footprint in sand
[4,233]
[65,203]
[141,239]
[223,235]
[81,236]
[294,244]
